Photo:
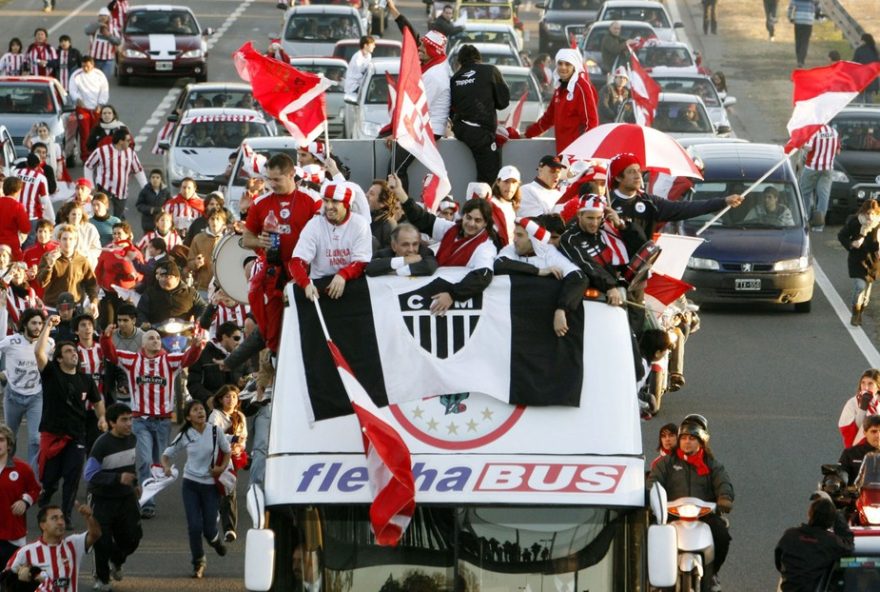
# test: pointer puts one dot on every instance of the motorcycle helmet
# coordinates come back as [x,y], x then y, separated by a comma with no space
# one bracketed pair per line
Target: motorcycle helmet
[695,425]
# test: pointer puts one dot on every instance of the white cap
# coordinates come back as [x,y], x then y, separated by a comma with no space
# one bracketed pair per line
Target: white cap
[621,71]
[509,172]
[104,12]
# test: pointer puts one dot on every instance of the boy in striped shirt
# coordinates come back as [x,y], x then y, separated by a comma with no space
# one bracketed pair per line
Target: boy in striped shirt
[815,179]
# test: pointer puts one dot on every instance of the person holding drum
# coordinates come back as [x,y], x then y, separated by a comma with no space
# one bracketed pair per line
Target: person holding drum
[199,260]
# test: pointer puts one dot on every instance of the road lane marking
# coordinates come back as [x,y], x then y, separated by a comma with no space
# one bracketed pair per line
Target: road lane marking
[58,25]
[843,313]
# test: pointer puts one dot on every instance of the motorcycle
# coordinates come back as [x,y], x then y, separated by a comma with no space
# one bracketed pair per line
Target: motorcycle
[680,551]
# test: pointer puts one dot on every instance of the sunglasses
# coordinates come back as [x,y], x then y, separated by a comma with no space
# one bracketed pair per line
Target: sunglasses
[236,338]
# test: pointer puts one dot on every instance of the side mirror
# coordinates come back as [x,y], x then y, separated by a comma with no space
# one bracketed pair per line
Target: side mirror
[729,101]
[208,32]
[164,145]
[259,559]
[68,107]
[678,25]
[722,130]
[350,99]
[282,5]
[173,117]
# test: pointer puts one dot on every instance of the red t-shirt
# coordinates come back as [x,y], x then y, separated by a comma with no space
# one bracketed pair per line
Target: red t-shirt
[292,210]
[32,256]
[13,219]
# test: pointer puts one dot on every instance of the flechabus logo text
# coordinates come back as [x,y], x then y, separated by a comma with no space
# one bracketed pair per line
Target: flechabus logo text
[558,478]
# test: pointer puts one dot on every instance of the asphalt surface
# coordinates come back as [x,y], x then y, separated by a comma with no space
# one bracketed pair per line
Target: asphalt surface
[771,381]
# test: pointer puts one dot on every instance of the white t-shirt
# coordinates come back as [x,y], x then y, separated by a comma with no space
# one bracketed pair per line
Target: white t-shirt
[330,247]
[536,200]
[21,362]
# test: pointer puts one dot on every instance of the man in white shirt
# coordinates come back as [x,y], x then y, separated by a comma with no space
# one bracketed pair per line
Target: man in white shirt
[539,196]
[358,65]
[90,90]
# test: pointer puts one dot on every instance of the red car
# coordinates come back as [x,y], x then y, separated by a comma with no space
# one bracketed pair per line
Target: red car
[161,40]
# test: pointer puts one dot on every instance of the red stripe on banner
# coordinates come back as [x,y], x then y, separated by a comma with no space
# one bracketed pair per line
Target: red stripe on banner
[837,77]
[666,289]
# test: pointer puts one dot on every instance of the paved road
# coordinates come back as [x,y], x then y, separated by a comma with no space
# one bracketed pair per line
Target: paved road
[771,382]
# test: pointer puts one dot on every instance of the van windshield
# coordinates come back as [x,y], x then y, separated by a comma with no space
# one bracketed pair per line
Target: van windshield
[321,27]
[462,548]
[770,205]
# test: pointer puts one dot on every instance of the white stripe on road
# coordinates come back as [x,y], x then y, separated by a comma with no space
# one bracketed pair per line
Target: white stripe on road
[843,313]
[60,23]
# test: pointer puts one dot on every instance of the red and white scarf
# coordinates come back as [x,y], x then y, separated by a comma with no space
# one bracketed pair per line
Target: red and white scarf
[456,249]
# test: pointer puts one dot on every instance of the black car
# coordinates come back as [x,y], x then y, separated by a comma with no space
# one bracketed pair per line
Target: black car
[856,173]
[758,252]
[564,20]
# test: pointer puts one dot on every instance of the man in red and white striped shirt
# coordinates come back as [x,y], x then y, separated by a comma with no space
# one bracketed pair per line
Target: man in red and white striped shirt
[110,166]
[815,179]
[151,376]
[35,194]
[91,363]
[104,38]
[53,560]
[186,207]
[41,56]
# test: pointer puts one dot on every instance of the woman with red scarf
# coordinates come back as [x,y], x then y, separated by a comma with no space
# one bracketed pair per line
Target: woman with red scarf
[692,471]
[469,242]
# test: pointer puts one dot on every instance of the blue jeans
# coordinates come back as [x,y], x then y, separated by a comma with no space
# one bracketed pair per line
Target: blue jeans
[260,448]
[861,292]
[201,502]
[152,435]
[30,407]
[816,190]
[106,66]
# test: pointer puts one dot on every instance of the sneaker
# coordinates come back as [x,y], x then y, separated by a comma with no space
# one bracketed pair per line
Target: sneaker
[47,9]
[198,571]
[230,536]
[102,586]
[148,512]
[715,584]
[116,572]
[218,546]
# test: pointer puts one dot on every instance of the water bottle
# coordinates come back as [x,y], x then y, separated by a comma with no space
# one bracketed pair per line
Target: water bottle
[273,229]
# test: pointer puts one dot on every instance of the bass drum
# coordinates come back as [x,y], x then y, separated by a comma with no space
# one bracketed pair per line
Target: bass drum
[636,271]
[229,259]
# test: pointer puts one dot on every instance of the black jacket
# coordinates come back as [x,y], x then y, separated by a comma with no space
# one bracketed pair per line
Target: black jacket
[74,61]
[149,203]
[862,261]
[574,244]
[157,305]
[805,553]
[571,292]
[381,263]
[206,377]
[680,479]
[851,460]
[446,27]
[478,90]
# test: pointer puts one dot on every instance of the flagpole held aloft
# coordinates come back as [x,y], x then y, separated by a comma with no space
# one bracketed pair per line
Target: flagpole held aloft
[748,190]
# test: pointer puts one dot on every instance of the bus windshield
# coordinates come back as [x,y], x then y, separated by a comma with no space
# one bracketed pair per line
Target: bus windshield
[466,548]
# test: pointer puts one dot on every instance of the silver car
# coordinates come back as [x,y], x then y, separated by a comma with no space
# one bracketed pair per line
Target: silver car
[313,30]
[368,113]
[701,86]
[265,146]
[332,69]
[26,100]
[520,80]
[648,11]
[679,115]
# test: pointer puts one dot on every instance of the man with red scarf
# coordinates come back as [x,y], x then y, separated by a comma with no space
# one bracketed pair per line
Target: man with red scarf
[290,210]
[185,207]
[40,55]
[470,242]
[692,471]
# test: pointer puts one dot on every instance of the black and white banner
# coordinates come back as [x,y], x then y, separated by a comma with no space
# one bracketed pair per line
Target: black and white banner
[500,343]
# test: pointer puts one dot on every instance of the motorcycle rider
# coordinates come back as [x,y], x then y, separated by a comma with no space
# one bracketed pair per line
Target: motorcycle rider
[692,471]
[851,458]
[805,553]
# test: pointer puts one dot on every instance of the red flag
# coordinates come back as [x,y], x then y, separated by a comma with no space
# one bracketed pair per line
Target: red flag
[411,121]
[514,117]
[645,92]
[296,99]
[821,93]
[389,464]
[666,289]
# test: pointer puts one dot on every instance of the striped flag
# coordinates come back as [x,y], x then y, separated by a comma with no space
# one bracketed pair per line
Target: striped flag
[821,93]
[388,461]
[515,115]
[645,92]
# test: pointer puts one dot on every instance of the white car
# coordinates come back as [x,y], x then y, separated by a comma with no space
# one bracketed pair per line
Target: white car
[313,30]
[368,113]
[488,33]
[591,45]
[266,146]
[679,115]
[203,141]
[665,57]
[701,86]
[520,80]
[497,54]
[333,69]
[647,11]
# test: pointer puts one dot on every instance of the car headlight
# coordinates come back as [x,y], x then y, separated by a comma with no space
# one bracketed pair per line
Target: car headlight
[839,177]
[133,53]
[704,264]
[553,27]
[193,53]
[592,67]
[799,264]
[370,129]
[860,194]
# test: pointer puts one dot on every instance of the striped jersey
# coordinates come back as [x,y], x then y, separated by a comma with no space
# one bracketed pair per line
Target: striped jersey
[182,212]
[13,64]
[59,562]
[172,239]
[118,14]
[822,148]
[15,305]
[111,169]
[42,52]
[63,69]
[91,363]
[100,47]
[34,191]
[151,379]
[225,313]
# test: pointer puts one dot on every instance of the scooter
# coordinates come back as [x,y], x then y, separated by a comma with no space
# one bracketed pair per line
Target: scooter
[680,551]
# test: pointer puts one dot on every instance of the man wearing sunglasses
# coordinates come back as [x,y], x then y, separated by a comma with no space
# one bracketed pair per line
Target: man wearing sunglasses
[206,375]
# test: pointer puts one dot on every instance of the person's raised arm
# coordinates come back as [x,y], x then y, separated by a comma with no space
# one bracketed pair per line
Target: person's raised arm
[41,347]
[94,529]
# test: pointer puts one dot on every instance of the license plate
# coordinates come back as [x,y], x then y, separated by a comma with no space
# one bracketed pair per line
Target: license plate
[745,285]
[164,66]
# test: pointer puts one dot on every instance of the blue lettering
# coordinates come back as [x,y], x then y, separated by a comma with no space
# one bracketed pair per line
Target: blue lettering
[331,475]
[353,479]
[309,474]
[455,479]
[428,476]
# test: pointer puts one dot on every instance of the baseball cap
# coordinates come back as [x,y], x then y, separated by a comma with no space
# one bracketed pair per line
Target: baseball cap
[82,181]
[509,172]
[552,160]
[65,298]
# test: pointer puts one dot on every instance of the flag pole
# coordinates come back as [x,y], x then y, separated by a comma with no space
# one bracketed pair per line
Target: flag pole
[393,167]
[746,192]
[321,320]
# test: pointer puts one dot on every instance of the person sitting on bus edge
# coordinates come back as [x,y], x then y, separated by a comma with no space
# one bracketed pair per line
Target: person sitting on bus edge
[596,248]
[865,402]
[531,253]
[407,255]
[336,244]
[542,194]
[770,211]
[693,471]
[505,199]
[804,554]
[851,458]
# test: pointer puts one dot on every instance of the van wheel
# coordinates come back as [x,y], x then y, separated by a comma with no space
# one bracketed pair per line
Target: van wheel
[803,307]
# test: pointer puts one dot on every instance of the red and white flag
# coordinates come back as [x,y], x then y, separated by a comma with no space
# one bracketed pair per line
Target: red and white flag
[821,93]
[411,121]
[252,163]
[389,464]
[645,92]
[515,115]
[296,99]
[665,289]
